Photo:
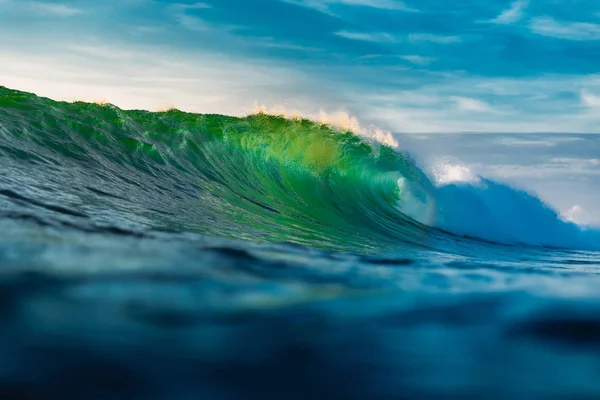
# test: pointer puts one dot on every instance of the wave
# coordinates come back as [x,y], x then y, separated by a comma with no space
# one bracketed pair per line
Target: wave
[261,177]
[497,212]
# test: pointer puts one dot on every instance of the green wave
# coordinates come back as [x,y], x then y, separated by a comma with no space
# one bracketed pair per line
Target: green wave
[260,177]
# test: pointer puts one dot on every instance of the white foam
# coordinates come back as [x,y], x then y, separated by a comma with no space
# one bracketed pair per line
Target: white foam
[578,215]
[341,120]
[444,172]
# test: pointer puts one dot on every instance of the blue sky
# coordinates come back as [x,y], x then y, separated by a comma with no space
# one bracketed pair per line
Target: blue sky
[406,66]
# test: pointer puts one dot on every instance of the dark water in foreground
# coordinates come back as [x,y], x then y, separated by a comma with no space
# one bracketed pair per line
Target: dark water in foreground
[177,256]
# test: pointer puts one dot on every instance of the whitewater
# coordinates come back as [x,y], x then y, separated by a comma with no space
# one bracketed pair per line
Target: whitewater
[179,255]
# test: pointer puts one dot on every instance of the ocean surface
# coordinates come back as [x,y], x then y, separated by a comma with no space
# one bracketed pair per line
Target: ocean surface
[176,256]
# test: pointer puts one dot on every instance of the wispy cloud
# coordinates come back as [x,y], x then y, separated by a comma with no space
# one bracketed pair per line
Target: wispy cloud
[380,4]
[469,104]
[536,142]
[325,6]
[548,26]
[367,37]
[493,104]
[53,9]
[590,100]
[553,167]
[147,29]
[180,13]
[195,23]
[391,38]
[512,14]
[429,37]
[196,6]
[418,60]
[230,33]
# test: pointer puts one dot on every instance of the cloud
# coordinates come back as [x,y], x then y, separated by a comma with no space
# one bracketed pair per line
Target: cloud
[194,6]
[195,23]
[418,60]
[536,142]
[391,38]
[381,4]
[367,37]
[468,104]
[512,14]
[590,100]
[553,168]
[520,105]
[325,5]
[580,31]
[53,9]
[207,82]
[229,33]
[429,37]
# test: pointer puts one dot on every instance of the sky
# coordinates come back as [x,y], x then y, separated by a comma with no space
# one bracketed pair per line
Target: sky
[425,66]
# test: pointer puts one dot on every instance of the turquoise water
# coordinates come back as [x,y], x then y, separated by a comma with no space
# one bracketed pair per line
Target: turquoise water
[176,255]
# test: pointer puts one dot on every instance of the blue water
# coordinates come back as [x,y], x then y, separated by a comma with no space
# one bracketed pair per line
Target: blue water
[230,266]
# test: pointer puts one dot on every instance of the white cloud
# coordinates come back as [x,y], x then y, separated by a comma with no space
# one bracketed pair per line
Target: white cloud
[381,4]
[589,99]
[517,105]
[581,31]
[147,29]
[554,168]
[390,38]
[195,6]
[428,37]
[53,9]
[468,104]
[227,32]
[195,23]
[512,14]
[588,165]
[367,37]
[548,141]
[325,5]
[418,60]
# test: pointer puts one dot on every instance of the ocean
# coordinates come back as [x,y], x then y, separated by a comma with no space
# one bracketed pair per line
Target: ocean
[171,255]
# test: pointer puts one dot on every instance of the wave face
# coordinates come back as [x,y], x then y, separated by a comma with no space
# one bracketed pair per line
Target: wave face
[178,255]
[260,177]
